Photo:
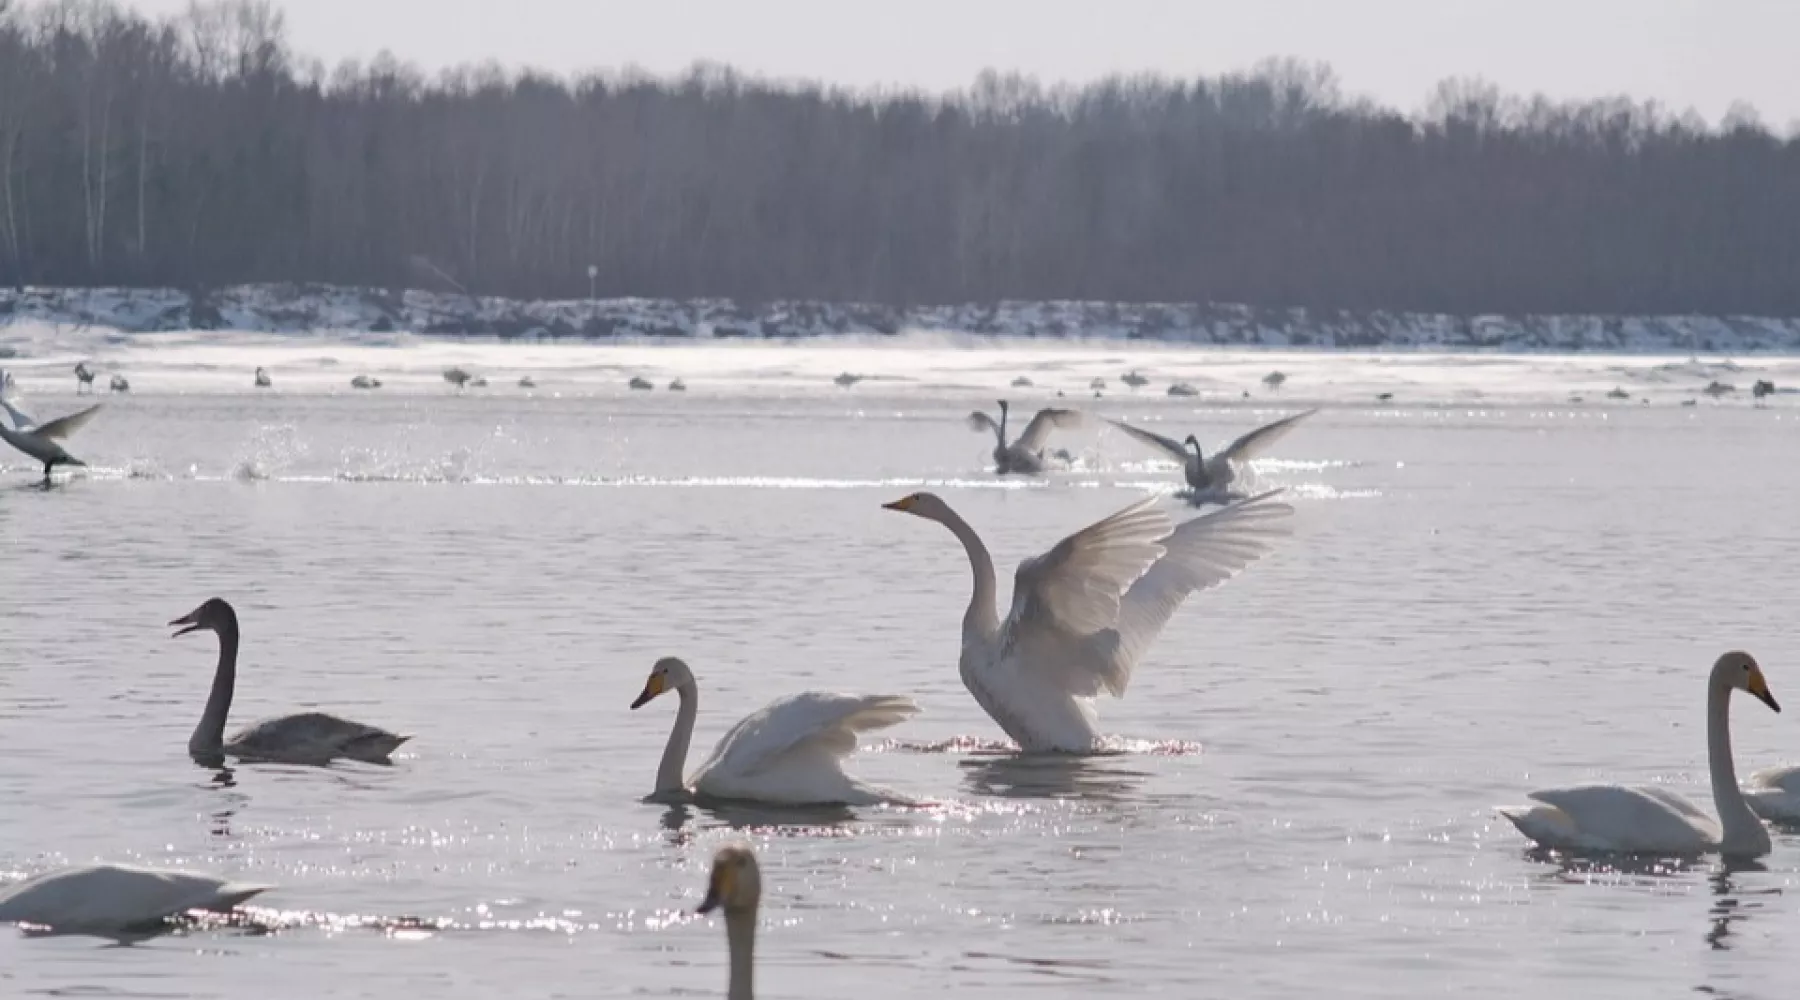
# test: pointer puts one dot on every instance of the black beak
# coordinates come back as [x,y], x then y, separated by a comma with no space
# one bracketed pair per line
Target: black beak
[1768,699]
[189,621]
[711,902]
[642,700]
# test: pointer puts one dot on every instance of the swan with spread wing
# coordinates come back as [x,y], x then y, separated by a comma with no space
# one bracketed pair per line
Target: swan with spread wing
[790,753]
[1026,455]
[1084,613]
[41,441]
[1209,478]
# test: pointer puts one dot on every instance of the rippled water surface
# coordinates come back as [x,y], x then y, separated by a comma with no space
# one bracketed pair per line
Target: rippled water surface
[1474,603]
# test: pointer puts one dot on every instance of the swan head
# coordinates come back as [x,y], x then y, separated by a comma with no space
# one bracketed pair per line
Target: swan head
[736,882]
[668,674]
[1740,670]
[926,505]
[1193,442]
[215,616]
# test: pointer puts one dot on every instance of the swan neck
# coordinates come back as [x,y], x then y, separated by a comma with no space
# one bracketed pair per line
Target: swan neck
[209,735]
[669,774]
[1000,431]
[1738,824]
[981,618]
[740,935]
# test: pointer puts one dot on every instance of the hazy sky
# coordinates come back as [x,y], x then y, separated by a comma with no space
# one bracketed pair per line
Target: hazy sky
[1687,53]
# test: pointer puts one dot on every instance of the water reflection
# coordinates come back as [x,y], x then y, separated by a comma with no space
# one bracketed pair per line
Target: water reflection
[1107,777]
[1729,905]
[747,816]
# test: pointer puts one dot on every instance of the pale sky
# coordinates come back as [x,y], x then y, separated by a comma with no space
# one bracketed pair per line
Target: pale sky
[1702,54]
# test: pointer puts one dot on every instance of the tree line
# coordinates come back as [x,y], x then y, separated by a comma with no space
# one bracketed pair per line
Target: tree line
[200,150]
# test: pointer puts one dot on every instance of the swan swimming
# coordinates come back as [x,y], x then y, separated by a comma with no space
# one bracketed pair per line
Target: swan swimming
[1647,819]
[1084,613]
[1210,479]
[43,441]
[1774,794]
[790,753]
[1026,455]
[107,897]
[262,378]
[303,738]
[736,886]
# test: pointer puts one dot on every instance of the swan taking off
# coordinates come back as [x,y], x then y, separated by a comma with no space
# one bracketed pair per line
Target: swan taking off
[736,887]
[42,441]
[1210,479]
[1026,455]
[117,897]
[1648,819]
[791,753]
[305,738]
[1084,613]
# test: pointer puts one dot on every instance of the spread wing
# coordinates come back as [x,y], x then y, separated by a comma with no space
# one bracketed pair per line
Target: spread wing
[979,421]
[21,421]
[1075,587]
[1202,554]
[1038,431]
[814,720]
[1174,449]
[1253,443]
[62,427]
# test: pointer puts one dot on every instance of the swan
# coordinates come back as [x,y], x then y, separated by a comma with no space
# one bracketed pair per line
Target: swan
[107,897]
[120,384]
[640,383]
[790,753]
[262,378]
[1084,613]
[1026,455]
[84,377]
[1274,380]
[365,382]
[1774,794]
[736,886]
[1651,820]
[43,441]
[303,738]
[1134,379]
[1211,478]
[456,377]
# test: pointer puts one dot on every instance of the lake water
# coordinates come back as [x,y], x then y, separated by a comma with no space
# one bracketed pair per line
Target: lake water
[1480,597]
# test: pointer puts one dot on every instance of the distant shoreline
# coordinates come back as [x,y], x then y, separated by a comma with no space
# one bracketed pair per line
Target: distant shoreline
[303,309]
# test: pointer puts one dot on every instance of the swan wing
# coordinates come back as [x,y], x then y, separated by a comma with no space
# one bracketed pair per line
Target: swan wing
[1785,779]
[979,421]
[62,427]
[1174,449]
[21,421]
[1774,794]
[1253,443]
[1201,554]
[814,720]
[1075,587]
[313,736]
[1632,818]
[117,896]
[1038,431]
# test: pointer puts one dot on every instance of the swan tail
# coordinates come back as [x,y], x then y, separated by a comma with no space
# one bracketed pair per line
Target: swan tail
[235,894]
[1546,824]
[881,711]
[375,748]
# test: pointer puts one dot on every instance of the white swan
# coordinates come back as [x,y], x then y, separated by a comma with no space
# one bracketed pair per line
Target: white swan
[1026,455]
[1774,794]
[1085,612]
[736,886]
[43,441]
[304,738]
[107,897]
[1210,478]
[262,379]
[790,753]
[1647,819]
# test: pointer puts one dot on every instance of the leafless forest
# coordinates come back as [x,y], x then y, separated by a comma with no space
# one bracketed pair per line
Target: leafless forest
[202,151]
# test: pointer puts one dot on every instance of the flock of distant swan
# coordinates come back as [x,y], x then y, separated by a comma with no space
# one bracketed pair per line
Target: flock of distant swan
[1082,615]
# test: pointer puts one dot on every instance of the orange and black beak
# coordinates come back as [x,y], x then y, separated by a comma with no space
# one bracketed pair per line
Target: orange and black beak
[652,687]
[1760,688]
